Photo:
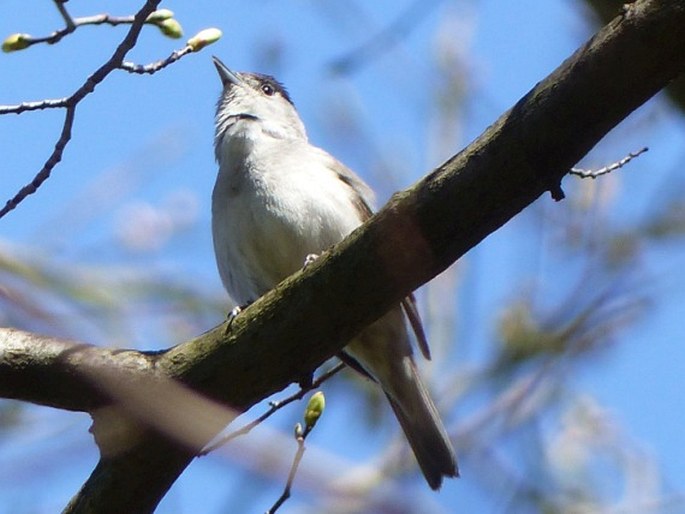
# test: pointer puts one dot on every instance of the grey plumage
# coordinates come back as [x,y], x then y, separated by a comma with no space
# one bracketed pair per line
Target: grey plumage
[277,199]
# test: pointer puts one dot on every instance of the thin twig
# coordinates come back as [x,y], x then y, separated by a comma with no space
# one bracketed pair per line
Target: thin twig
[300,437]
[71,24]
[71,102]
[104,19]
[97,19]
[57,103]
[47,168]
[312,414]
[68,20]
[274,407]
[154,67]
[593,174]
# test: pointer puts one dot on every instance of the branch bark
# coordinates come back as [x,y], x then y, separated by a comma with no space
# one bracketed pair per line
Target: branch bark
[606,10]
[420,232]
[59,373]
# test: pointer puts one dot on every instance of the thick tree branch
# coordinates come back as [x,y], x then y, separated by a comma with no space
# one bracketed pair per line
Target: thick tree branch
[61,374]
[421,231]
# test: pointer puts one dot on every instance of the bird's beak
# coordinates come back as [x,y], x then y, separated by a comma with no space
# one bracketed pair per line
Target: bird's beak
[227,76]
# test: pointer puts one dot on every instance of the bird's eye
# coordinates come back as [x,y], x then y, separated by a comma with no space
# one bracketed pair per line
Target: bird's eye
[268,89]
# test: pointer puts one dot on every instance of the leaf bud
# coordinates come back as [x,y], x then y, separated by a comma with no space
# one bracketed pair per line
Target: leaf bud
[171,28]
[16,42]
[315,407]
[204,38]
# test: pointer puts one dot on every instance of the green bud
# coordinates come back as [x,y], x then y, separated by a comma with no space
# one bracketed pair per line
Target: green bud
[159,15]
[315,407]
[171,28]
[16,42]
[203,38]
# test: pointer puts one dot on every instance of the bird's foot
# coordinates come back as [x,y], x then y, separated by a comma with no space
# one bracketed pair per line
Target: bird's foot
[230,318]
[309,259]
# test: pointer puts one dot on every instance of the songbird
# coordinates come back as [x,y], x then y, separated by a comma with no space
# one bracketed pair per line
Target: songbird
[278,199]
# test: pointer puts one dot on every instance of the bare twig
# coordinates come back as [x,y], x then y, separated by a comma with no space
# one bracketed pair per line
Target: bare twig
[156,66]
[97,19]
[312,413]
[49,165]
[274,407]
[72,101]
[160,18]
[57,103]
[593,174]
[68,20]
[300,436]
[71,24]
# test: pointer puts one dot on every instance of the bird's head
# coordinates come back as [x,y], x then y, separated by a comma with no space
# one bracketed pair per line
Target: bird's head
[252,103]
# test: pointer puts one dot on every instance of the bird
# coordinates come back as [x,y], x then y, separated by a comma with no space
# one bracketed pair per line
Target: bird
[279,199]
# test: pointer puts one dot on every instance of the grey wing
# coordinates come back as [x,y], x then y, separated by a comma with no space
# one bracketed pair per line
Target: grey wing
[363,194]
[364,199]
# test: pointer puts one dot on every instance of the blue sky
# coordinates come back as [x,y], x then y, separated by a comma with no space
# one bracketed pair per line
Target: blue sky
[143,144]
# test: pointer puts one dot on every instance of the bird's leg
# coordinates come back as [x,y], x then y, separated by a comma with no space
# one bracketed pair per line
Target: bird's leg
[309,259]
[233,314]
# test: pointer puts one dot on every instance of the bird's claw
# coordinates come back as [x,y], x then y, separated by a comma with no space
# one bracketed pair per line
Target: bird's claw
[309,259]
[232,316]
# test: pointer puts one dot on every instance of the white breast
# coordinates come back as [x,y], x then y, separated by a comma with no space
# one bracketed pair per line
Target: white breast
[272,208]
